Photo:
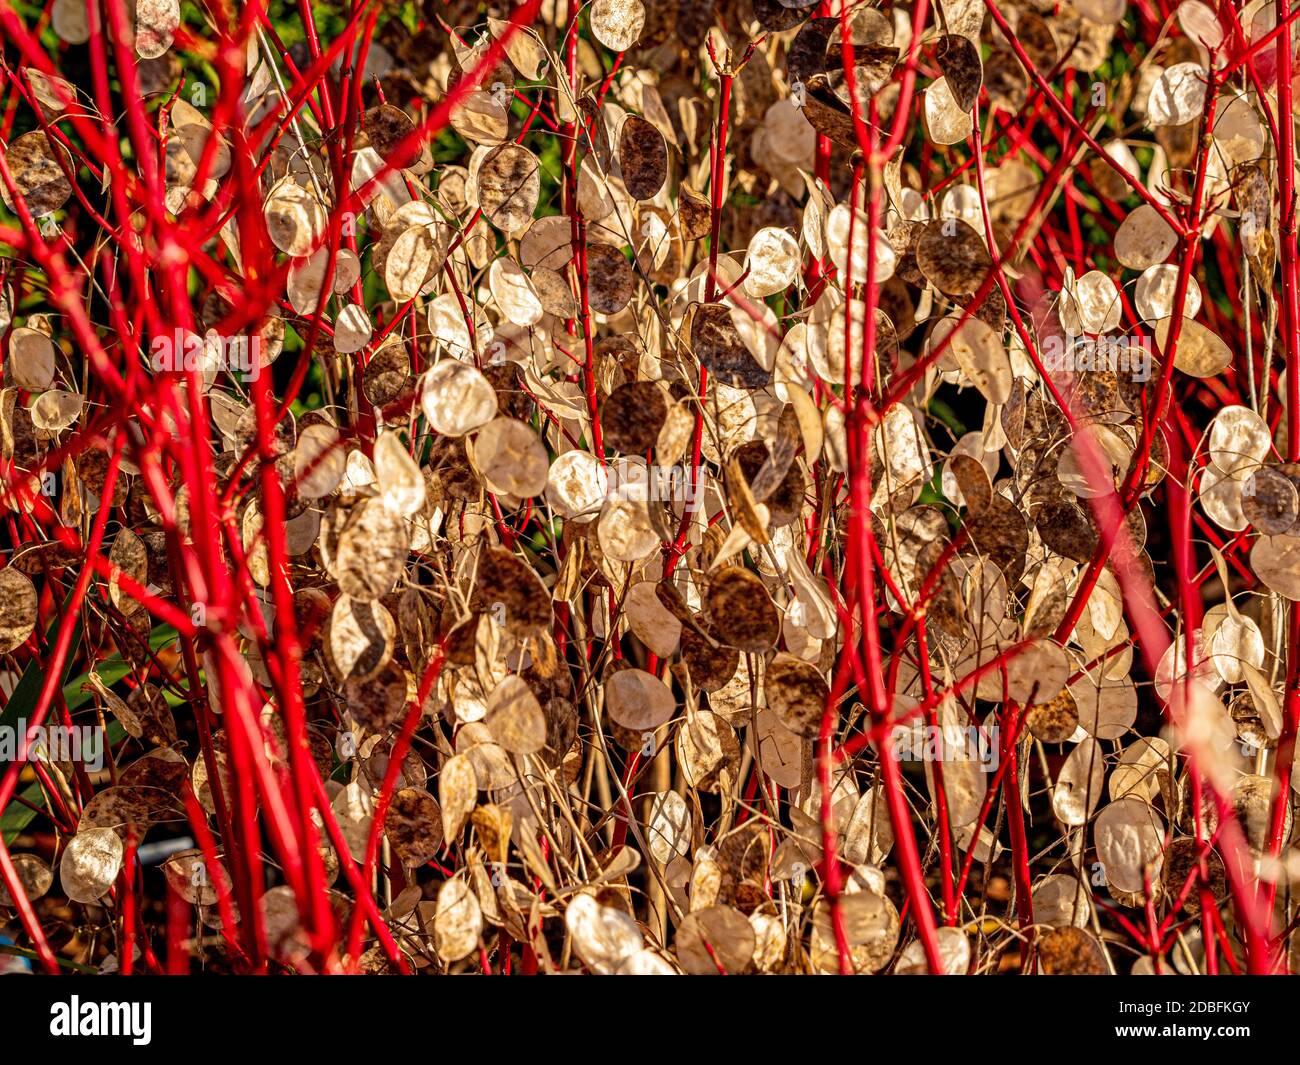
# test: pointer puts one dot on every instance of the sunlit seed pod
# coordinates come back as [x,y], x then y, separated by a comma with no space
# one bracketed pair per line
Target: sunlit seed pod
[360,638]
[458,794]
[189,875]
[1080,784]
[156,21]
[1276,562]
[650,621]
[36,173]
[981,355]
[872,927]
[1129,835]
[458,922]
[295,218]
[547,242]
[352,329]
[91,861]
[457,398]
[771,262]
[18,606]
[668,829]
[481,117]
[1061,901]
[1098,302]
[638,700]
[31,359]
[509,184]
[514,293]
[414,259]
[576,485]
[1178,96]
[1270,500]
[510,457]
[401,484]
[1144,239]
[715,939]
[1143,770]
[603,937]
[1239,439]
[1153,295]
[954,953]
[1054,721]
[945,120]
[1220,496]
[515,718]
[1200,352]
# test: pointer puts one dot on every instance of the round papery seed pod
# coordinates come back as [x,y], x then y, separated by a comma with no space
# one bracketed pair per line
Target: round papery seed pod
[34,876]
[643,158]
[1270,501]
[1071,952]
[512,593]
[413,826]
[1054,721]
[90,864]
[18,606]
[711,665]
[741,612]
[797,693]
[632,415]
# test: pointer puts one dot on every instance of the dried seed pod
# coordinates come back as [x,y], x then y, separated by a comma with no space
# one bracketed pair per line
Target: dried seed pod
[34,876]
[1071,952]
[34,162]
[509,184]
[741,612]
[718,346]
[458,921]
[617,24]
[457,398]
[797,693]
[1054,721]
[1270,501]
[610,278]
[638,700]
[372,549]
[642,157]
[952,257]
[959,59]
[632,416]
[413,826]
[510,457]
[18,605]
[715,939]
[513,593]
[603,937]
[378,702]
[90,864]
